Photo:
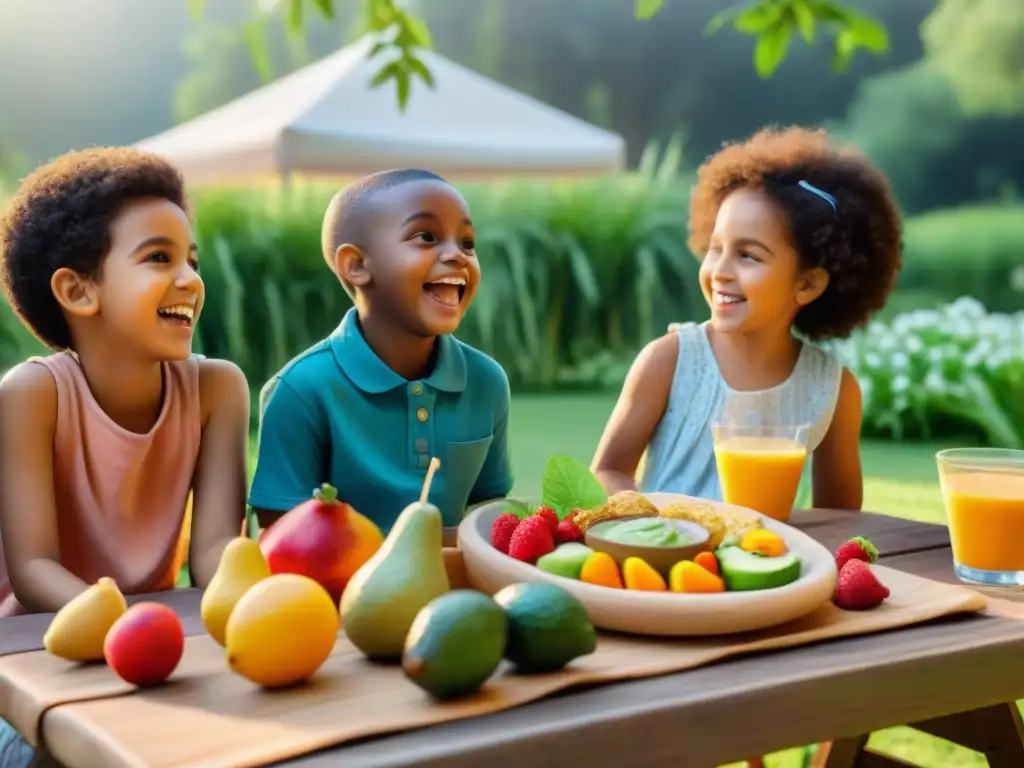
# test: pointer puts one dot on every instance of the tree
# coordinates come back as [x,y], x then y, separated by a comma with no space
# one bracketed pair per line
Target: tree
[402,33]
[979,47]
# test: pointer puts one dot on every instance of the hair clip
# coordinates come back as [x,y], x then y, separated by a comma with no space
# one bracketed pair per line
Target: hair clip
[820,193]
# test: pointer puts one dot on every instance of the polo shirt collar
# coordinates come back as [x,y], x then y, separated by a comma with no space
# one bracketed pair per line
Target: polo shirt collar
[369,373]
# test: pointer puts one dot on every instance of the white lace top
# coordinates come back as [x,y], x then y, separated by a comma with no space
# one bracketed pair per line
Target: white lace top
[681,456]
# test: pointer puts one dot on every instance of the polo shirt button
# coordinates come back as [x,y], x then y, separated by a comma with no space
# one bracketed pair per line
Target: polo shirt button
[423,462]
[421,414]
[421,445]
[417,389]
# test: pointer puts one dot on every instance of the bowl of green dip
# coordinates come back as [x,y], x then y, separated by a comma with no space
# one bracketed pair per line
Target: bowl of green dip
[661,542]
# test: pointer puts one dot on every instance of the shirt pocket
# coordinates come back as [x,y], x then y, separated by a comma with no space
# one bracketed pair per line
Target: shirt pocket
[461,469]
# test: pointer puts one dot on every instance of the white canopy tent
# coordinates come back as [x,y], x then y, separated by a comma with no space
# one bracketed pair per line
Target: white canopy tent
[326,119]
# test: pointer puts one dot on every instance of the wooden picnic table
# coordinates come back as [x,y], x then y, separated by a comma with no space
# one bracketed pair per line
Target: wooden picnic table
[955,677]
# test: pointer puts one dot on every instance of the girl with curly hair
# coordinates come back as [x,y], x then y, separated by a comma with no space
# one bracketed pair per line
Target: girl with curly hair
[799,242]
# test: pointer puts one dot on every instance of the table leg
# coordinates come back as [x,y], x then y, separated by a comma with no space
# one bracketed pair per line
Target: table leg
[997,732]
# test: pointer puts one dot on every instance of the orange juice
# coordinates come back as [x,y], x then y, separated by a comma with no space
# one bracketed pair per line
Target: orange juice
[986,519]
[762,473]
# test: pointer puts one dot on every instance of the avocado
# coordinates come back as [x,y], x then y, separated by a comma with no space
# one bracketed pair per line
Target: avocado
[455,643]
[547,627]
[567,560]
[744,570]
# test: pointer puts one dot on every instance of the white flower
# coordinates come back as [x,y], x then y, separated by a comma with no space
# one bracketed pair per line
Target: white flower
[934,381]
[899,361]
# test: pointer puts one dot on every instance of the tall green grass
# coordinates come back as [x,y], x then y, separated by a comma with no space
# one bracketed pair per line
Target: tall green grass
[576,275]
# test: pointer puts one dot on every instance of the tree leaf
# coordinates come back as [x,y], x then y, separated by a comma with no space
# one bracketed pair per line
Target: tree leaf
[719,20]
[826,10]
[646,9]
[843,51]
[568,484]
[379,48]
[256,40]
[379,14]
[402,79]
[420,69]
[771,48]
[295,14]
[869,34]
[759,19]
[384,74]
[804,20]
[196,9]
[326,7]
[417,29]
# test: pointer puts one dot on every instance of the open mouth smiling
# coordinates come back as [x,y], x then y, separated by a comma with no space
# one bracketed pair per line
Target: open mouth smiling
[722,299]
[447,290]
[179,314]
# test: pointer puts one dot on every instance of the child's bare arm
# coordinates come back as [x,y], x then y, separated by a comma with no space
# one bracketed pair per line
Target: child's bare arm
[28,510]
[640,407]
[836,468]
[218,488]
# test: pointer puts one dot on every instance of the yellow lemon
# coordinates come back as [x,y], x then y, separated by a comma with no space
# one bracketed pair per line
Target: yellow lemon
[281,631]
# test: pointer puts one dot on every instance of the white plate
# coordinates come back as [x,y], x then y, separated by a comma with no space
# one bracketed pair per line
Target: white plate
[661,613]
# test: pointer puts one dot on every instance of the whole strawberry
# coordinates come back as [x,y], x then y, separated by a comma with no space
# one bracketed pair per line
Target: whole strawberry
[857,548]
[501,531]
[548,515]
[531,539]
[858,588]
[567,531]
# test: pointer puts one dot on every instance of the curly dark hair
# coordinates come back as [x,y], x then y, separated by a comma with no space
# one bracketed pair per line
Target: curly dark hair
[859,243]
[61,217]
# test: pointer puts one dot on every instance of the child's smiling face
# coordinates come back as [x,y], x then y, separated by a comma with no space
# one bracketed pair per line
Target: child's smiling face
[149,294]
[751,276]
[420,261]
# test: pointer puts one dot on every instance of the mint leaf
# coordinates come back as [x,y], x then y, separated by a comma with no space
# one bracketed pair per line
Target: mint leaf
[568,484]
[517,508]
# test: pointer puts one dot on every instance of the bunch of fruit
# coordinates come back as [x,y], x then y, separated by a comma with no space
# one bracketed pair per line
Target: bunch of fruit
[457,641]
[753,560]
[142,644]
[857,587]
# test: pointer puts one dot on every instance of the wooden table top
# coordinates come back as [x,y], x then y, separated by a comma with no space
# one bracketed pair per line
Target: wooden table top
[800,696]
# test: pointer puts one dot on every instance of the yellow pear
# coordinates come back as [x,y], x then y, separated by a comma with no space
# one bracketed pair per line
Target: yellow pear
[78,630]
[241,566]
[281,631]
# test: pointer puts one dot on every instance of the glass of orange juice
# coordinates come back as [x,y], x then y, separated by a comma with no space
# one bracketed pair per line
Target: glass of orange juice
[983,490]
[759,466]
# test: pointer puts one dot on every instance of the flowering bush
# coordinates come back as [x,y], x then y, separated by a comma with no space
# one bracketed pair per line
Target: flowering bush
[942,372]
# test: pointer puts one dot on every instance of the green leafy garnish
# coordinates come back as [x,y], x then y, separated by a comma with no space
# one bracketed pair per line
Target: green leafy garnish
[518,508]
[569,484]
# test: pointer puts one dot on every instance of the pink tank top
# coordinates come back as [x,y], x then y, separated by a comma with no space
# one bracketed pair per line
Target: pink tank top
[120,495]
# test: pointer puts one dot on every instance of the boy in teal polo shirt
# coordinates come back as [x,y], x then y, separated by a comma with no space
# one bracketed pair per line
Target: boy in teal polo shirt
[366,408]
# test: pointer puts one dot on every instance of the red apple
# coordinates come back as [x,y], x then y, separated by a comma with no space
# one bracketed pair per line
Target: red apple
[145,644]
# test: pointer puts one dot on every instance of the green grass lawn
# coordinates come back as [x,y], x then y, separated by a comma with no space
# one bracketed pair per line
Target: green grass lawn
[899,479]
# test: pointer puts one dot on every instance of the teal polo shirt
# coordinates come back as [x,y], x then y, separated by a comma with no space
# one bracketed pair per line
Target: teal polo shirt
[336,413]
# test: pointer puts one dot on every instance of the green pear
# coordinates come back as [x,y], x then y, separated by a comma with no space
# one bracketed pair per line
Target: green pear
[383,597]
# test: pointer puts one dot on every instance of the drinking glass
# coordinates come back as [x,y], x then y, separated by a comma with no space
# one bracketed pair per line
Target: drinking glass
[983,492]
[760,466]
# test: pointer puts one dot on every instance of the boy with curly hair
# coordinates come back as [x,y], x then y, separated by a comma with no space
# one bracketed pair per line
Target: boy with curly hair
[800,242]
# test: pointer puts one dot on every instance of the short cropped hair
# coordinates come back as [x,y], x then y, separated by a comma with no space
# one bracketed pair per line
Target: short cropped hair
[346,219]
[859,242]
[61,217]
